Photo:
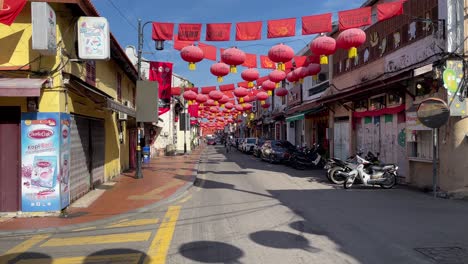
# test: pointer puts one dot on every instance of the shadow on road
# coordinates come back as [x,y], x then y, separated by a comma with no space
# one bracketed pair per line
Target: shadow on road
[211,252]
[282,240]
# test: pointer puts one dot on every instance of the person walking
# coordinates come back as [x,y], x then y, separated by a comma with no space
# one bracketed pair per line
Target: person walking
[227,145]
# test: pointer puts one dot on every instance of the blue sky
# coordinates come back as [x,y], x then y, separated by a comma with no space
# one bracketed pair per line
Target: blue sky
[123,17]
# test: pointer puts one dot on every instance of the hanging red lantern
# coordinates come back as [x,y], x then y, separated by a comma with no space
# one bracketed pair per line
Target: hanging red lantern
[277,76]
[291,77]
[281,54]
[281,92]
[265,105]
[250,75]
[233,57]
[262,97]
[219,70]
[323,46]
[312,59]
[247,107]
[350,39]
[223,100]
[314,69]
[268,86]
[190,96]
[210,102]
[248,98]
[240,92]
[192,54]
[300,73]
[239,107]
[215,95]
[201,98]
[229,105]
[214,109]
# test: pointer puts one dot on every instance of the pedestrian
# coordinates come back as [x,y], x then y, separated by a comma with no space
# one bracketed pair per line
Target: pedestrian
[227,146]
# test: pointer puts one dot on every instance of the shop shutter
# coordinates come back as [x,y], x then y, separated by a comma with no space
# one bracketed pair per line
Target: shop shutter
[98,150]
[79,159]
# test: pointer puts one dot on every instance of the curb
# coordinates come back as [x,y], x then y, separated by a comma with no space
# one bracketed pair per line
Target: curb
[143,209]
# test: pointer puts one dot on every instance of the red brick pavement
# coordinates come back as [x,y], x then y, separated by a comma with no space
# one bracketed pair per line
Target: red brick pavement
[162,177]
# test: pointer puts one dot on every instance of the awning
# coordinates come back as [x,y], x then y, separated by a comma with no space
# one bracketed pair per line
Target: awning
[118,107]
[21,87]
[295,117]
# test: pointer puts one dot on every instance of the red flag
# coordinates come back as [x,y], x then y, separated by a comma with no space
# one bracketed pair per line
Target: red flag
[389,10]
[163,31]
[10,10]
[266,63]
[175,91]
[316,24]
[161,72]
[248,31]
[250,60]
[189,32]
[354,18]
[288,65]
[208,50]
[262,79]
[179,44]
[207,89]
[218,32]
[193,110]
[193,89]
[229,93]
[300,60]
[281,28]
[226,87]
[243,84]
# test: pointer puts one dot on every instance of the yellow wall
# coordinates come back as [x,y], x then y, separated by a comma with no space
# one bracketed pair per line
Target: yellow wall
[14,101]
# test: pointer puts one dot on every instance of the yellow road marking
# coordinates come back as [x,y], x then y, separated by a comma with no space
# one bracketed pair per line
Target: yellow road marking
[23,247]
[85,229]
[185,199]
[137,222]
[159,247]
[93,240]
[122,258]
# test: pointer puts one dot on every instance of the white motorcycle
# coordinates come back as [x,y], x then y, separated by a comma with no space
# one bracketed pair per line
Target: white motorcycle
[384,176]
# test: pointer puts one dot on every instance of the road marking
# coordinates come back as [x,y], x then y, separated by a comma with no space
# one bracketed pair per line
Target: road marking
[85,229]
[23,247]
[121,258]
[137,222]
[159,247]
[185,199]
[93,240]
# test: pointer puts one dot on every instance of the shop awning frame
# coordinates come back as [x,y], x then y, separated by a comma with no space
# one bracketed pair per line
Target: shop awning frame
[21,87]
[296,117]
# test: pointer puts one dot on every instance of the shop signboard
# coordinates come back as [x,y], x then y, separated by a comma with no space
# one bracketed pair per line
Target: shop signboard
[45,158]
[93,38]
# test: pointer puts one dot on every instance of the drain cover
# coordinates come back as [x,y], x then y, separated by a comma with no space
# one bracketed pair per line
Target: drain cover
[445,255]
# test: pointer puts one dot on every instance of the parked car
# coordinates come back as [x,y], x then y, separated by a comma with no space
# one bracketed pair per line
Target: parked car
[248,145]
[257,147]
[211,141]
[276,151]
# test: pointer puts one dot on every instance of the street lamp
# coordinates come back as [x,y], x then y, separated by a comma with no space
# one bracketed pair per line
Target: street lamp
[159,46]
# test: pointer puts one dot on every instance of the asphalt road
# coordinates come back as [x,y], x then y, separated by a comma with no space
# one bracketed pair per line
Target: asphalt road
[243,210]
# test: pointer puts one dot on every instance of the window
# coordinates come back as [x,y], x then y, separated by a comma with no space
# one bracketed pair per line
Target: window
[395,98]
[119,86]
[91,72]
[361,105]
[420,144]
[377,103]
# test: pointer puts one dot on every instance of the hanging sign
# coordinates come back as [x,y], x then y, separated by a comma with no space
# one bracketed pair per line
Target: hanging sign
[93,38]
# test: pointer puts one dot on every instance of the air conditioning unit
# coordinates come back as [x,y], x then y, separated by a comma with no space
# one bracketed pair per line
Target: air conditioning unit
[122,116]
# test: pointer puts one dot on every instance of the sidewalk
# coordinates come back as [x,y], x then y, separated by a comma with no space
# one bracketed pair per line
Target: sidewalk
[163,178]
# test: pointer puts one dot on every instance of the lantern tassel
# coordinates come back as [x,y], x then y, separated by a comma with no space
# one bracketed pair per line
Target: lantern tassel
[277,85]
[279,66]
[192,66]
[262,102]
[241,100]
[314,77]
[283,67]
[323,59]
[222,105]
[269,92]
[220,78]
[250,84]
[233,69]
[352,53]
[189,102]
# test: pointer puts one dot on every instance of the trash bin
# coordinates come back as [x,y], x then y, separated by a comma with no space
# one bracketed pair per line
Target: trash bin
[146,154]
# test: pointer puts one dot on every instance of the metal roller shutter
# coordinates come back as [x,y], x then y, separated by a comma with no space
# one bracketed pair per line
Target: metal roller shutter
[97,150]
[80,176]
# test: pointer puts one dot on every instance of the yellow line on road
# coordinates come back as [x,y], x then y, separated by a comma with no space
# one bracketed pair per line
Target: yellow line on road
[137,222]
[122,258]
[185,199]
[23,247]
[93,240]
[85,229]
[159,247]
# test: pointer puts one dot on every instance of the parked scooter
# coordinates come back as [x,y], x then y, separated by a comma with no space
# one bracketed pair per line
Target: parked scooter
[370,175]
[335,165]
[308,158]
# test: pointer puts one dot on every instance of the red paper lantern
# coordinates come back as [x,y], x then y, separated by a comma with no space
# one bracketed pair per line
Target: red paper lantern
[350,39]
[313,70]
[291,77]
[233,57]
[250,75]
[281,92]
[266,105]
[190,96]
[240,92]
[262,97]
[192,54]
[223,100]
[268,86]
[214,109]
[210,102]
[281,54]
[247,107]
[215,95]
[248,98]
[323,46]
[312,59]
[300,73]
[201,98]
[239,107]
[229,105]
[277,76]
[219,70]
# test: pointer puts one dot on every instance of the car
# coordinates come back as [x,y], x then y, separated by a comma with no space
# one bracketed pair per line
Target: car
[257,147]
[276,151]
[248,145]
[211,141]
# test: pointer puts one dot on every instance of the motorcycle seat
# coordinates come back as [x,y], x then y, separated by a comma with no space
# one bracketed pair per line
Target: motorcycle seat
[384,167]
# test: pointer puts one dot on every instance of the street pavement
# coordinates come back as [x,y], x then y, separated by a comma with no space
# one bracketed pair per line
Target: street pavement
[243,210]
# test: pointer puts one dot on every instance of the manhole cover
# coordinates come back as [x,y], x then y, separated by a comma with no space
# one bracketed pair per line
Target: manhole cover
[445,255]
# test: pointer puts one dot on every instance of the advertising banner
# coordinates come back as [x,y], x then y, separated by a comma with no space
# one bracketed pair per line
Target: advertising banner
[45,154]
[161,72]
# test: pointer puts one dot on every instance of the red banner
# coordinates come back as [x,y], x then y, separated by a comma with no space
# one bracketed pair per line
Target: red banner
[248,31]
[389,10]
[288,65]
[281,28]
[175,91]
[10,10]
[300,60]
[163,31]
[193,110]
[316,24]
[261,80]
[243,84]
[218,32]
[207,89]
[161,72]
[266,63]
[179,45]
[190,32]
[229,93]
[193,89]
[208,50]
[226,87]
[354,18]
[250,60]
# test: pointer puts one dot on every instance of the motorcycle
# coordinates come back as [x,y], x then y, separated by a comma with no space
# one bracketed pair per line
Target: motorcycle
[335,165]
[308,158]
[370,175]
